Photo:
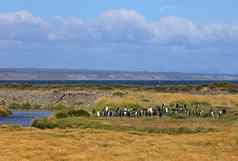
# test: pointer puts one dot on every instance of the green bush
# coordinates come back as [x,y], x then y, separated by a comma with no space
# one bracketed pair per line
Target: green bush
[61,114]
[59,107]
[79,113]
[50,123]
[36,106]
[72,113]
[45,123]
[4,112]
[25,106]
[15,106]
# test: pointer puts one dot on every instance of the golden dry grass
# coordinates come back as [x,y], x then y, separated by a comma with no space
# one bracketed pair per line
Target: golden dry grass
[230,100]
[144,98]
[27,144]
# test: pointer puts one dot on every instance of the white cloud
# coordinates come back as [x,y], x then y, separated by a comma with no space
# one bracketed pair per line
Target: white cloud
[19,17]
[122,15]
[113,27]
[22,26]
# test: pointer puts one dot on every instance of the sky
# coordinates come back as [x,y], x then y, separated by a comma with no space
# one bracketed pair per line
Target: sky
[136,35]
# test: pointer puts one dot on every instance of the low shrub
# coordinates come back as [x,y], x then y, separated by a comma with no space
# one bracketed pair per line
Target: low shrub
[59,107]
[45,123]
[72,113]
[15,106]
[50,123]
[4,112]
[24,106]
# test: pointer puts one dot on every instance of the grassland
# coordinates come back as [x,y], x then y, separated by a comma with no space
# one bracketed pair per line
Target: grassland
[121,139]
[148,125]
[73,144]
[48,97]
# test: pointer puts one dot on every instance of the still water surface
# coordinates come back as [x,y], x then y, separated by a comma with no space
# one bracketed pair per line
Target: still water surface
[24,118]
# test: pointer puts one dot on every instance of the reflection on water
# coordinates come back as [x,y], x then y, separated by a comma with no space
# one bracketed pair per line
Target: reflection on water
[24,118]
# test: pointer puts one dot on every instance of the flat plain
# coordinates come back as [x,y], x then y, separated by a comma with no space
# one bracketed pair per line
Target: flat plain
[123,139]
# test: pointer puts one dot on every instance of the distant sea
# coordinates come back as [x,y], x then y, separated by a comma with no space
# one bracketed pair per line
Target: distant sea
[110,82]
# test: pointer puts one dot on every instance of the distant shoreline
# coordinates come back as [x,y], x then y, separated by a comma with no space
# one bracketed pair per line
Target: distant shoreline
[103,75]
[113,82]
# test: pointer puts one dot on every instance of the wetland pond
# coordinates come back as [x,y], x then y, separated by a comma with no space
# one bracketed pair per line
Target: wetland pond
[23,118]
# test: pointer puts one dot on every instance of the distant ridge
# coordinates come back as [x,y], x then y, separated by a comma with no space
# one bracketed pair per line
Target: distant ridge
[75,74]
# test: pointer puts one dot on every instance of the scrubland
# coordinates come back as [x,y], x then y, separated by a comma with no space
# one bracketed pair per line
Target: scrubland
[121,139]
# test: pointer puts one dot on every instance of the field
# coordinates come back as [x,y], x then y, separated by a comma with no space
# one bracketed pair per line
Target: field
[73,144]
[121,139]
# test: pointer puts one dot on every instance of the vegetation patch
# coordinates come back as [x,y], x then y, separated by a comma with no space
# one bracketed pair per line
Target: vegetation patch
[119,93]
[4,112]
[46,123]
[72,113]
[59,106]
[24,106]
[73,122]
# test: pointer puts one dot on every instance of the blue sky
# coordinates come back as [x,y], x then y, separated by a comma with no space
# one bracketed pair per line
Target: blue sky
[199,11]
[156,35]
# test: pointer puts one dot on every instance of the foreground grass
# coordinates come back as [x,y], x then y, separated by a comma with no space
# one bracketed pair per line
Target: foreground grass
[29,144]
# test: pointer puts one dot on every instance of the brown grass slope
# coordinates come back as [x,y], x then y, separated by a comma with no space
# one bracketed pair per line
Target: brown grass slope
[98,145]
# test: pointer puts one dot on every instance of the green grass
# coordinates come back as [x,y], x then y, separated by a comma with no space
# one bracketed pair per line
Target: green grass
[85,123]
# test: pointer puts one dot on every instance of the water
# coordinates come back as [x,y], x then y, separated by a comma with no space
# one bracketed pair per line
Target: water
[23,118]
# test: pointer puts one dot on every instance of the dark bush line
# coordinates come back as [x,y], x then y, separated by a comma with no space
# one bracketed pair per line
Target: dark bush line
[25,106]
[34,106]
[72,113]
[45,123]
